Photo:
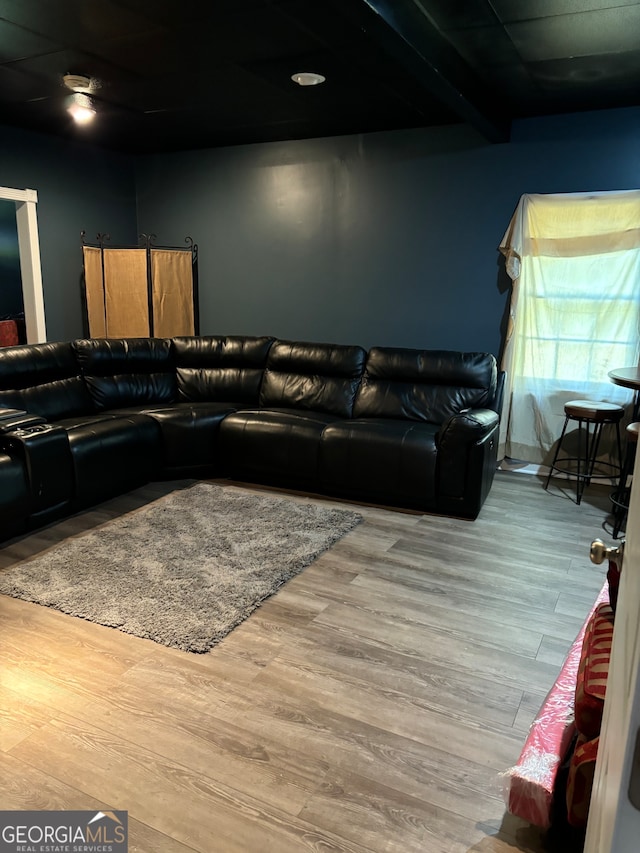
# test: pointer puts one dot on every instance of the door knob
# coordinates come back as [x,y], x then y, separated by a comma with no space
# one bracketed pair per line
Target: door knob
[599,552]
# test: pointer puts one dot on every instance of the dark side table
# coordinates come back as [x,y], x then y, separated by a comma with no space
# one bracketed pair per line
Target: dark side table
[628,377]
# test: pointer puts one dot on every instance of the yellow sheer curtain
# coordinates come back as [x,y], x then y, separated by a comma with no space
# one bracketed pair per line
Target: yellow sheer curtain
[575,310]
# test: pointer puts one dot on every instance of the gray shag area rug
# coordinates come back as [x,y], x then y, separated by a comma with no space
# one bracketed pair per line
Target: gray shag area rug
[185,570]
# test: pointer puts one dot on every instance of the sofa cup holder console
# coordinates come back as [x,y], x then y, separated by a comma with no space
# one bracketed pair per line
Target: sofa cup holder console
[44,450]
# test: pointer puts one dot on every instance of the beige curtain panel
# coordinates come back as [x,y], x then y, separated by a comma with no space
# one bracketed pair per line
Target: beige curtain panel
[117,292]
[94,292]
[126,295]
[172,287]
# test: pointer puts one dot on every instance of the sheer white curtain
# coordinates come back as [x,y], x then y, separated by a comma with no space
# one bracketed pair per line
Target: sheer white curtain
[575,310]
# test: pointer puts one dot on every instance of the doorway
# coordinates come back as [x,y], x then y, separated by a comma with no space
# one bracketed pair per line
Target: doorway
[11,301]
[24,202]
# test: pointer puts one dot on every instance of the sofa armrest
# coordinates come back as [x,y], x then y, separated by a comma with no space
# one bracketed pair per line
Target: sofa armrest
[11,419]
[466,456]
[469,426]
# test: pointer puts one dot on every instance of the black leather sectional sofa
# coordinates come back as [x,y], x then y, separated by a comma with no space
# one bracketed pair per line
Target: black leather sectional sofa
[84,420]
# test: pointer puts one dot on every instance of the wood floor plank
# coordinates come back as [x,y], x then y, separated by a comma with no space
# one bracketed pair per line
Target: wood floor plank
[574,603]
[528,711]
[456,602]
[19,718]
[553,651]
[384,820]
[510,586]
[498,665]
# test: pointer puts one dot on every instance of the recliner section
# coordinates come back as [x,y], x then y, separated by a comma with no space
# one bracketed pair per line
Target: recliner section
[216,376]
[393,449]
[84,453]
[86,420]
[306,387]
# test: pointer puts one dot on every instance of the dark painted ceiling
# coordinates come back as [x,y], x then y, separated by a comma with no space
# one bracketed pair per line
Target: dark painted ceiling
[179,74]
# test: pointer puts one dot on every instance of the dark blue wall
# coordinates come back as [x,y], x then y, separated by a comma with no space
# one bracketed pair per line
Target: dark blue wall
[387,239]
[79,187]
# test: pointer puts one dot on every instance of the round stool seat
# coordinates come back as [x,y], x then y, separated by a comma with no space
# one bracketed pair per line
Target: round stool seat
[594,411]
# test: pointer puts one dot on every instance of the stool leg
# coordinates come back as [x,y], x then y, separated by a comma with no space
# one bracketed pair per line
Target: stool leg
[555,457]
[593,454]
[580,480]
[620,495]
[619,445]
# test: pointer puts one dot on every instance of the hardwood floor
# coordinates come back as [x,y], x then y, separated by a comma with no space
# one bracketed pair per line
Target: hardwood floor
[369,706]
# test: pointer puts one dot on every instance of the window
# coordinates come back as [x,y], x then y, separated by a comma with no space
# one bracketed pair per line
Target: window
[575,260]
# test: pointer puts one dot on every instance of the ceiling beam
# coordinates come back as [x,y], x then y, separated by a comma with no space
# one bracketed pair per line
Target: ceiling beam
[404,31]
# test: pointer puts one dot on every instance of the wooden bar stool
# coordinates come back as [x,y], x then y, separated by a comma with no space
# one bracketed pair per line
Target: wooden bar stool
[620,498]
[587,413]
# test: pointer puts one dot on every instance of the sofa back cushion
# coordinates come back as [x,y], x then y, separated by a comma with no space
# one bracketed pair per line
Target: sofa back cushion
[318,377]
[127,371]
[424,385]
[43,379]
[220,369]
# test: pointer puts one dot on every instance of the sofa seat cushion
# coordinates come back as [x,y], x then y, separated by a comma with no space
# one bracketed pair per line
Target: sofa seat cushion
[131,444]
[189,431]
[381,459]
[591,683]
[276,444]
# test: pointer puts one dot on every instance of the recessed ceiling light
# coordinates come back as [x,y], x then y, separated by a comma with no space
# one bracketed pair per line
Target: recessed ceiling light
[307,78]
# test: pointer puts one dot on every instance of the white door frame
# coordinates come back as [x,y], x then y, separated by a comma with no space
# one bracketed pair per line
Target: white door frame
[31,272]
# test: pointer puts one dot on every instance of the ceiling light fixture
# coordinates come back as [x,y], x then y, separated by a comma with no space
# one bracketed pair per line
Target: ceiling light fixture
[80,106]
[307,78]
